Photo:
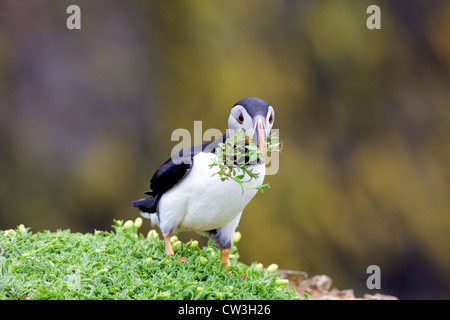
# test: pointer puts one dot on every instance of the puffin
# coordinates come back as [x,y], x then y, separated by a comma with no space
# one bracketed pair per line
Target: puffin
[187,195]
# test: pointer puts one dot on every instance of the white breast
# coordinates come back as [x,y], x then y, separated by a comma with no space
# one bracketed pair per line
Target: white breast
[202,202]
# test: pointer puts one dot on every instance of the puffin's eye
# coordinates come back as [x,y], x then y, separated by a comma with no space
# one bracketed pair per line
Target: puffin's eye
[271,118]
[240,119]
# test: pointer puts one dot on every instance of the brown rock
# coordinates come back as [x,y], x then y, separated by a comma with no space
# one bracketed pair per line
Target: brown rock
[318,287]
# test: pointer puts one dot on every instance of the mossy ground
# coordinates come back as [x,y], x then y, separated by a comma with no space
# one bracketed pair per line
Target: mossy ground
[123,264]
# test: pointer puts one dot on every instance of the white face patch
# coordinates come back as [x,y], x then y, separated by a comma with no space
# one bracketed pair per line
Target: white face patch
[239,112]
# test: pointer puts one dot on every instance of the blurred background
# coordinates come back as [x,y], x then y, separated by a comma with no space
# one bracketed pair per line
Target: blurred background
[86,118]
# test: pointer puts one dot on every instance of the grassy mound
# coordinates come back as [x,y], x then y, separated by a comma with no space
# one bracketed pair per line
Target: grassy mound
[123,264]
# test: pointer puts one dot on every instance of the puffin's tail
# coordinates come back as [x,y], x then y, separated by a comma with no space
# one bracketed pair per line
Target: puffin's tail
[146,205]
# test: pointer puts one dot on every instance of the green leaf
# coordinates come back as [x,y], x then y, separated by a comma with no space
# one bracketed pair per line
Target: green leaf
[231,156]
[254,157]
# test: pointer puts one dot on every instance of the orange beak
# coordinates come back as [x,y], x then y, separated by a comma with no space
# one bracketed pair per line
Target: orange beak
[261,138]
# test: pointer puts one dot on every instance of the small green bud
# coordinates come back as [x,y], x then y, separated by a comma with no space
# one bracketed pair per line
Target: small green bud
[203,260]
[199,289]
[148,259]
[128,224]
[173,238]
[152,235]
[138,222]
[272,268]
[259,266]
[194,244]
[281,282]
[163,295]
[218,295]
[22,228]
[212,252]
[166,261]
[177,245]
[104,270]
[10,232]
[237,236]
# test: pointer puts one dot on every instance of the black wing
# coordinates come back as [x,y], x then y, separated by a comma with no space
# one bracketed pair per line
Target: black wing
[167,176]
[171,173]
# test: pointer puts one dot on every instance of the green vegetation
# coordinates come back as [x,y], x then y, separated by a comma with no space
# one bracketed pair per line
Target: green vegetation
[236,153]
[123,264]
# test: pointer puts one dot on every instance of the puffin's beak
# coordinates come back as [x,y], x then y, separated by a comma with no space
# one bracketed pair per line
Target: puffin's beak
[259,135]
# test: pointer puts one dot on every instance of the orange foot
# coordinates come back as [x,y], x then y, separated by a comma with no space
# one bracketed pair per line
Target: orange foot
[168,246]
[226,257]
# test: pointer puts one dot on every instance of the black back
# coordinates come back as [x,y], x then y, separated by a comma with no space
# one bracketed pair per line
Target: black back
[169,174]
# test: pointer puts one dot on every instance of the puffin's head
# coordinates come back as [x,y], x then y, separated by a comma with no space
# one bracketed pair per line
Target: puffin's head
[256,117]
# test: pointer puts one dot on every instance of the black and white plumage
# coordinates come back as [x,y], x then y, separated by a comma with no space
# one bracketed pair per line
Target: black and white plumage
[187,196]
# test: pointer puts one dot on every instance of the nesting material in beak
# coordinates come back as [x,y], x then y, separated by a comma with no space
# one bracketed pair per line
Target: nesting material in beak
[260,137]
